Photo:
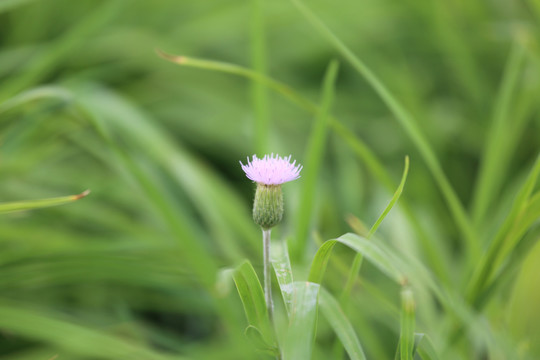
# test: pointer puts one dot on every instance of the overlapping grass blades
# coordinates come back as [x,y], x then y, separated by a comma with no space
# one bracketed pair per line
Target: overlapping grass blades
[313,159]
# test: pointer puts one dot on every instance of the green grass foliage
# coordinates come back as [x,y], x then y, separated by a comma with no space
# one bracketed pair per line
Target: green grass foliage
[151,104]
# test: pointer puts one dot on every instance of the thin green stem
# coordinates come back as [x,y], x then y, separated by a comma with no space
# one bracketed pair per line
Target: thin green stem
[267,277]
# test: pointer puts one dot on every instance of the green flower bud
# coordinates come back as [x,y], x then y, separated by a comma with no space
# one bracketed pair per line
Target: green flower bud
[268,205]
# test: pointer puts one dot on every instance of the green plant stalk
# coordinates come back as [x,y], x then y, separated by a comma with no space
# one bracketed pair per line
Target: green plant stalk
[406,341]
[267,275]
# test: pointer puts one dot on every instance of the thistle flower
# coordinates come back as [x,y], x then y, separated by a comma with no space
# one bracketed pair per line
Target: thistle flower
[269,173]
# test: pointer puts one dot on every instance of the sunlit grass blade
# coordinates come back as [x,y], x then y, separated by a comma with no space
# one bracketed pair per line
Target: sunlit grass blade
[408,123]
[282,268]
[357,262]
[342,327]
[368,249]
[498,148]
[314,156]
[298,343]
[406,339]
[41,203]
[252,296]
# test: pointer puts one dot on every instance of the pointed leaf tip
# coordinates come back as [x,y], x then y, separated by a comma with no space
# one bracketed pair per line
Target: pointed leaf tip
[81,195]
[169,57]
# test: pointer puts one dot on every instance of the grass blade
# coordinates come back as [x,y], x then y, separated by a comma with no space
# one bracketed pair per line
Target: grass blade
[357,262]
[486,267]
[341,325]
[406,341]
[368,249]
[283,270]
[498,149]
[41,203]
[313,160]
[408,123]
[301,333]
[252,296]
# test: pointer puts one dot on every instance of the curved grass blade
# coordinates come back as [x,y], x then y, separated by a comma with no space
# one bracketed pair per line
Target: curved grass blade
[341,325]
[298,343]
[357,262]
[312,161]
[252,296]
[41,203]
[408,123]
[380,258]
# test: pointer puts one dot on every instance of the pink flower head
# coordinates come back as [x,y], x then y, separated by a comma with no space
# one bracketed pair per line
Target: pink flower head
[271,170]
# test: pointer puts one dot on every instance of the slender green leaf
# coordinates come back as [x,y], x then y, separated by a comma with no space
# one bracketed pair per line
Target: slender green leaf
[282,267]
[341,325]
[484,270]
[41,203]
[252,296]
[298,343]
[498,149]
[406,340]
[357,262]
[314,156]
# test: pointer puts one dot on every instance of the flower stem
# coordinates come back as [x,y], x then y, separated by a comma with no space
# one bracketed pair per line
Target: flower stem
[267,277]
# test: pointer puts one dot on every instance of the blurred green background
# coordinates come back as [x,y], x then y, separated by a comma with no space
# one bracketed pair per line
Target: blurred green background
[130,271]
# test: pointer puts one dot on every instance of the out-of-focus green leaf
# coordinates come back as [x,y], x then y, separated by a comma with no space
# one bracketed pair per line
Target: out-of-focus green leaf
[252,296]
[298,343]
[424,347]
[73,337]
[369,249]
[341,325]
[406,339]
[314,156]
